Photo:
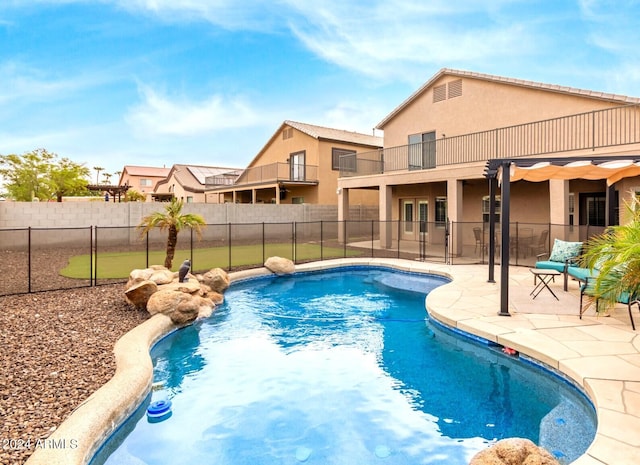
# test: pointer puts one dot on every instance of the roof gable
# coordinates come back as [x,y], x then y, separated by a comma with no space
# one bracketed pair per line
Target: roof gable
[613,98]
[323,133]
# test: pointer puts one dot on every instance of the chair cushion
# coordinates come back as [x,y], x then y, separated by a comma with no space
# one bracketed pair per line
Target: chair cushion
[563,250]
[550,265]
[581,274]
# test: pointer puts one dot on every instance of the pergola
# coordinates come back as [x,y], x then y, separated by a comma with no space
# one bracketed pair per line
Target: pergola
[112,190]
[503,171]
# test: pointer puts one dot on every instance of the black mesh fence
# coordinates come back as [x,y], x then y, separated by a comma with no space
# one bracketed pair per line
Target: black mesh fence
[42,259]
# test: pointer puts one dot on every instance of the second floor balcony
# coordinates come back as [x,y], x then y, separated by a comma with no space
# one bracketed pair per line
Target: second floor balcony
[617,126]
[273,172]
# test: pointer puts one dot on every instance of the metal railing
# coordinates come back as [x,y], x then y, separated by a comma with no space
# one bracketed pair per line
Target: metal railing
[591,130]
[272,172]
[45,259]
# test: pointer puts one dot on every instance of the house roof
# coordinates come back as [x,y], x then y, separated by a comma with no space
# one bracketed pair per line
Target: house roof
[191,177]
[324,133]
[613,98]
[146,171]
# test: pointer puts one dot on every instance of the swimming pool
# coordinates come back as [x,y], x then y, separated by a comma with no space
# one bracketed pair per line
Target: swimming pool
[341,367]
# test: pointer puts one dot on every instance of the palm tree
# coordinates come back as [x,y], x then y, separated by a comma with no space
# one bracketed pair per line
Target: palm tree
[98,169]
[616,255]
[173,220]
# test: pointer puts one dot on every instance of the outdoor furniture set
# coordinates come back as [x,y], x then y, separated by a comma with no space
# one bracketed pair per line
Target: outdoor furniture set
[563,259]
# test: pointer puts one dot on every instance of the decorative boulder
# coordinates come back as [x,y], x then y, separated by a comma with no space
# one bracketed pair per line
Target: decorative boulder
[162,276]
[514,451]
[159,290]
[138,294]
[217,279]
[279,265]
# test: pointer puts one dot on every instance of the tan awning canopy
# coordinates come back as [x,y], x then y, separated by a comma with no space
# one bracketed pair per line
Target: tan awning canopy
[613,169]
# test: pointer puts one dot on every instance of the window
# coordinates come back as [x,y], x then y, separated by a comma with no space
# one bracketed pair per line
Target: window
[422,150]
[344,157]
[423,216]
[407,216]
[485,209]
[572,209]
[441,212]
[146,182]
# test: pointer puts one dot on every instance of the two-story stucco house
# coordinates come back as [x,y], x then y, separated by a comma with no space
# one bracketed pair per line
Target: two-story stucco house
[438,141]
[298,164]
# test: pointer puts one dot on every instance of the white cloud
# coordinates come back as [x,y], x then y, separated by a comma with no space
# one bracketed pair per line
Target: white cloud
[160,115]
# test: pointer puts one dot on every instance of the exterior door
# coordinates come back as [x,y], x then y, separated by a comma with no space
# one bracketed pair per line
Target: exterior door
[407,218]
[423,216]
[296,166]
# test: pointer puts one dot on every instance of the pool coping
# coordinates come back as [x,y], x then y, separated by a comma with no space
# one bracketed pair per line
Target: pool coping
[468,303]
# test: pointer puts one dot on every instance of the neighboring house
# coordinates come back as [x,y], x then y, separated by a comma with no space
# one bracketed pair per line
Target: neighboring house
[299,164]
[142,179]
[437,143]
[187,182]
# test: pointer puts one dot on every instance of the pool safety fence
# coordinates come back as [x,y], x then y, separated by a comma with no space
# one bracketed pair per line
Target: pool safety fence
[47,259]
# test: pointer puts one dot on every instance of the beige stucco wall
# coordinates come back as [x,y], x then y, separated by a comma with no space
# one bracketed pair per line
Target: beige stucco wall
[483,105]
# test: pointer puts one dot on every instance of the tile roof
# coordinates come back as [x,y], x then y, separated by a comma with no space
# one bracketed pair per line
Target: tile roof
[321,132]
[151,171]
[613,98]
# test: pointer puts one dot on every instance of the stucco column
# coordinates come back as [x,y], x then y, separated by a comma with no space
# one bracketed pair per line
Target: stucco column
[385,212]
[559,206]
[253,196]
[454,214]
[343,211]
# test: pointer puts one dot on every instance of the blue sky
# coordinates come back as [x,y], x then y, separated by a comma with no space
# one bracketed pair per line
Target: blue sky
[157,82]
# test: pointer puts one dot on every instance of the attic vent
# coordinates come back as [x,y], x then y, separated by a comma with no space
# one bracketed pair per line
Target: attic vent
[439,93]
[287,133]
[455,88]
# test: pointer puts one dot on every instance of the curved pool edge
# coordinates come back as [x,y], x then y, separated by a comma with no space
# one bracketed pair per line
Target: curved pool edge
[468,303]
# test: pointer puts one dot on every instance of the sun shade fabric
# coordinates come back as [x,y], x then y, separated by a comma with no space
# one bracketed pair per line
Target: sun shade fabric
[612,170]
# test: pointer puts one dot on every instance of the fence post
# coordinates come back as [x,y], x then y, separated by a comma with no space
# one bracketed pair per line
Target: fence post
[321,243]
[293,241]
[93,272]
[29,258]
[264,258]
[229,243]
[191,248]
[344,235]
[147,247]
[372,239]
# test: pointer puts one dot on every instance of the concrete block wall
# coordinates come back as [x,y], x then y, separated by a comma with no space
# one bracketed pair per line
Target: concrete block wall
[129,214]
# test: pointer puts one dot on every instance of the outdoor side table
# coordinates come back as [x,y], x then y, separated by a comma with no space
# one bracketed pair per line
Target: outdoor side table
[542,278]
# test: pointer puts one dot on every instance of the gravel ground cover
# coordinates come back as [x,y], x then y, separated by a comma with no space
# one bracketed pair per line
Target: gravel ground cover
[56,349]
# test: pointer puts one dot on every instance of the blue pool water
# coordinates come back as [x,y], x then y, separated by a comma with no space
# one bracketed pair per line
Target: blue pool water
[342,367]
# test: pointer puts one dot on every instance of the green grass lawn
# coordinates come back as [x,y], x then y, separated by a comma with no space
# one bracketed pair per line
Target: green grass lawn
[119,264]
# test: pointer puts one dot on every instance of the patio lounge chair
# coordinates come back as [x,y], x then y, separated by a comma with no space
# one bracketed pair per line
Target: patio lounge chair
[562,255]
[626,298]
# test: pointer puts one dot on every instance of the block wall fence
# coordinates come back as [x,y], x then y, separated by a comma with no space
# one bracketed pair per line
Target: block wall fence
[129,214]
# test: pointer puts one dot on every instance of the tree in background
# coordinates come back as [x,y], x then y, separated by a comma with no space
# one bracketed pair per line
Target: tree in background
[39,174]
[98,169]
[173,220]
[68,178]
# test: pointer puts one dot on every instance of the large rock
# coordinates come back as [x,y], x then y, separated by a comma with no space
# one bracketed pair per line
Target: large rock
[279,265]
[514,451]
[217,279]
[140,292]
[158,290]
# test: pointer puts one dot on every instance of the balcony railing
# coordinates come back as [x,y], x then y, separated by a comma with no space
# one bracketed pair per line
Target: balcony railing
[273,172]
[592,130]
